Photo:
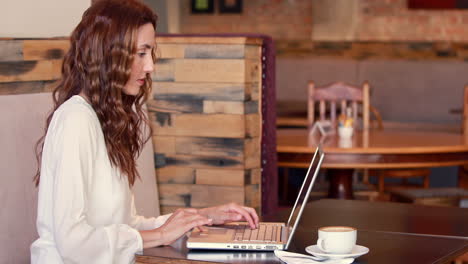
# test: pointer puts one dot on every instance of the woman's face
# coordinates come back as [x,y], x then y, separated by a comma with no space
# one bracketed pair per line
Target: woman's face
[143,61]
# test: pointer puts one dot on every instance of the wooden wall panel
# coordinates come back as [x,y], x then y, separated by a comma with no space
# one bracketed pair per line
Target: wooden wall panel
[21,71]
[253,125]
[253,70]
[164,144]
[220,177]
[252,153]
[40,50]
[225,107]
[223,147]
[209,40]
[199,125]
[170,51]
[175,194]
[11,50]
[253,195]
[204,111]
[202,91]
[208,195]
[221,51]
[26,87]
[209,70]
[175,174]
[164,70]
[176,106]
[255,176]
[252,52]
[254,91]
[202,162]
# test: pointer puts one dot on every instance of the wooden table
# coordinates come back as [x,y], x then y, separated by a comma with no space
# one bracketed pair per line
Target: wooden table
[384,248]
[386,217]
[374,149]
[394,233]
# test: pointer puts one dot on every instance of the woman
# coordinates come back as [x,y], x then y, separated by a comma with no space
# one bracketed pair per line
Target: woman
[86,212]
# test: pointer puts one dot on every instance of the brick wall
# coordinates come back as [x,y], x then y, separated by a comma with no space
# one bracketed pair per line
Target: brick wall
[377,20]
[278,18]
[391,20]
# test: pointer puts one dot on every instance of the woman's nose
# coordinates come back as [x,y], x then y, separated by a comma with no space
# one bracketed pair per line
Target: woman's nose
[149,65]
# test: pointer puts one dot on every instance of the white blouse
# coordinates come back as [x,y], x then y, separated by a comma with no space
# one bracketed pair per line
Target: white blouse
[86,212]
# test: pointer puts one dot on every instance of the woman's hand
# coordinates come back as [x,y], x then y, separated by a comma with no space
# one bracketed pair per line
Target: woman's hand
[180,222]
[231,212]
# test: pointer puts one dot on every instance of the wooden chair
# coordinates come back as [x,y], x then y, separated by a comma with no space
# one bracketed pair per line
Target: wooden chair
[463,170]
[338,95]
[334,99]
[328,98]
[404,175]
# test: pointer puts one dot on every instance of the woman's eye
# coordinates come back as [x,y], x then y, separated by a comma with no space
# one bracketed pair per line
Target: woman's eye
[141,54]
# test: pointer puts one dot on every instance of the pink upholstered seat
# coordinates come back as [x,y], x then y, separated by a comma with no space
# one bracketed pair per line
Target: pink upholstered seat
[22,119]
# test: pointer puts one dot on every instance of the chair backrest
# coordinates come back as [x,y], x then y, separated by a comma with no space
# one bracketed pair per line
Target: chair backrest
[463,170]
[338,95]
[23,120]
[465,113]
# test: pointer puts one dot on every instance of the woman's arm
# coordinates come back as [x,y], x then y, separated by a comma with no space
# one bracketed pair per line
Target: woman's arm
[68,157]
[140,222]
[178,224]
[184,220]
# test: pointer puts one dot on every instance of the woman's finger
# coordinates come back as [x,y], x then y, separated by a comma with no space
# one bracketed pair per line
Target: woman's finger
[253,213]
[247,217]
[199,221]
[201,229]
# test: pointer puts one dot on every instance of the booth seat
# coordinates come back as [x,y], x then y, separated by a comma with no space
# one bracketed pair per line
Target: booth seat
[22,119]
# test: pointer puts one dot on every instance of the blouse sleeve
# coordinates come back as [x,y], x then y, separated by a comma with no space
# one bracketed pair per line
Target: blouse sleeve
[73,147]
[142,223]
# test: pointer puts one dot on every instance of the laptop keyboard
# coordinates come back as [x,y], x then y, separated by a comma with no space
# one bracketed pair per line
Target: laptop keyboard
[264,233]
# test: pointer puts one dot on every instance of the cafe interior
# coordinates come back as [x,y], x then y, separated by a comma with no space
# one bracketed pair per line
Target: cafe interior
[245,91]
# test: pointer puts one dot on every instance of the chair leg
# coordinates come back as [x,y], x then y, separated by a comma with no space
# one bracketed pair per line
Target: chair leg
[365,176]
[463,177]
[381,183]
[355,177]
[405,181]
[285,184]
[426,182]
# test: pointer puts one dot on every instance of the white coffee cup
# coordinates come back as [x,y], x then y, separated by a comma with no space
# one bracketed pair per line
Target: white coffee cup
[337,239]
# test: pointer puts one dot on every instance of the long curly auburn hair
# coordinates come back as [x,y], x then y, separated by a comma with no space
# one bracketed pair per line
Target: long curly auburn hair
[98,63]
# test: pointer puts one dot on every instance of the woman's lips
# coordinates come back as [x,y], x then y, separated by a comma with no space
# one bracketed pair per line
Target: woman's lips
[141,81]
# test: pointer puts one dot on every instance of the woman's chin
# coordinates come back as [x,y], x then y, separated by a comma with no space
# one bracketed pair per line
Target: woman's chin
[133,91]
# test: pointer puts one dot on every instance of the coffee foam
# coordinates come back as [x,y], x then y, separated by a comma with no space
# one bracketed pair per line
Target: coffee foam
[337,229]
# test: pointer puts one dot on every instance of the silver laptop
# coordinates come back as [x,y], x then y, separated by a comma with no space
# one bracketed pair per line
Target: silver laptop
[269,236]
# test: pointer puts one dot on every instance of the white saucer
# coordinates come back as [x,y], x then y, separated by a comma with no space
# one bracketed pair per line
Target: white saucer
[355,253]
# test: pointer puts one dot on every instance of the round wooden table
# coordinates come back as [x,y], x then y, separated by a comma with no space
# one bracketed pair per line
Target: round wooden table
[374,149]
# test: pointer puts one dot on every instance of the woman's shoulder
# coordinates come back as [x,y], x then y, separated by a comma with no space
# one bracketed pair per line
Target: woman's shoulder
[75,111]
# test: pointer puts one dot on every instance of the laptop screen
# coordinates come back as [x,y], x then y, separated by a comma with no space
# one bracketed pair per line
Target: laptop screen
[304,193]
